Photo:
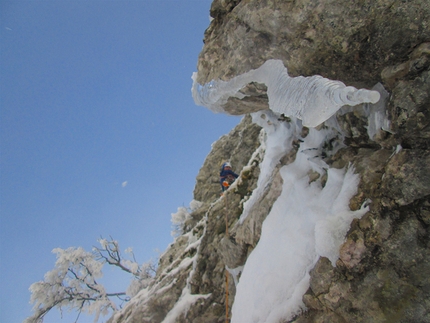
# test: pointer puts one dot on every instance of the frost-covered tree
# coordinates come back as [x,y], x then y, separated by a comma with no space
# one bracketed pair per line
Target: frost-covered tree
[73,283]
[178,221]
[180,218]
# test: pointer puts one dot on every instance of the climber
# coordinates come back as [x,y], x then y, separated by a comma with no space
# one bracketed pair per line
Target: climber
[227,176]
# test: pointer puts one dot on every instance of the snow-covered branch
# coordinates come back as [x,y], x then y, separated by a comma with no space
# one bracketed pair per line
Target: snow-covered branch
[110,253]
[73,281]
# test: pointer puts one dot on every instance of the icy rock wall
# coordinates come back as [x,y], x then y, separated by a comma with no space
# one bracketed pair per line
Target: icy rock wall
[380,272]
[361,44]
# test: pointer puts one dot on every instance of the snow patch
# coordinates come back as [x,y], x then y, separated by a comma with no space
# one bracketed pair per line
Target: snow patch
[399,148]
[235,273]
[183,305]
[275,143]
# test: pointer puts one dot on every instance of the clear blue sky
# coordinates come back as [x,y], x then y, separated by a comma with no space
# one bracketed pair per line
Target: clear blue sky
[95,94]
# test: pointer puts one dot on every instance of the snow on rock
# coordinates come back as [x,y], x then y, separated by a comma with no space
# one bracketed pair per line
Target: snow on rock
[182,305]
[308,220]
[274,144]
[156,302]
[187,298]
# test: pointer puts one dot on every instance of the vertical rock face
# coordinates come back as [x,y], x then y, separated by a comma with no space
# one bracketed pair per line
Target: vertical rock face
[382,273]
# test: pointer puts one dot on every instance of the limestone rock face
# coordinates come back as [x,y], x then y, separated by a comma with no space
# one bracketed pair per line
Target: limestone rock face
[343,40]
[383,270]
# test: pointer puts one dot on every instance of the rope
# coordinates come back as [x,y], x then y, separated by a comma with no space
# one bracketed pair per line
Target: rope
[227,320]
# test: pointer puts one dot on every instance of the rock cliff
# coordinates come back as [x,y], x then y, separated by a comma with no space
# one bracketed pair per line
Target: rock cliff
[381,272]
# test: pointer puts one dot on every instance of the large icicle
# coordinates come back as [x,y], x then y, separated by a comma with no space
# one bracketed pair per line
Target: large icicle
[312,99]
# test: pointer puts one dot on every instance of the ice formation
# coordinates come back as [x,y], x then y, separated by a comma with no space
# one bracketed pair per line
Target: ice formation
[308,220]
[377,113]
[311,99]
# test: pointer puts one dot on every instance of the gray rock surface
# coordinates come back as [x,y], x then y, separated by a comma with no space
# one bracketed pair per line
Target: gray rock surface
[343,40]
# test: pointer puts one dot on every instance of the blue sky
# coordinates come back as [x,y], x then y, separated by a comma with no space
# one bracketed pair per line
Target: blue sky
[99,133]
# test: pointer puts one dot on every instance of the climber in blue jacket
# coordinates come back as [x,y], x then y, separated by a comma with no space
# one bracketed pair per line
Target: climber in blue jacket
[226,175]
